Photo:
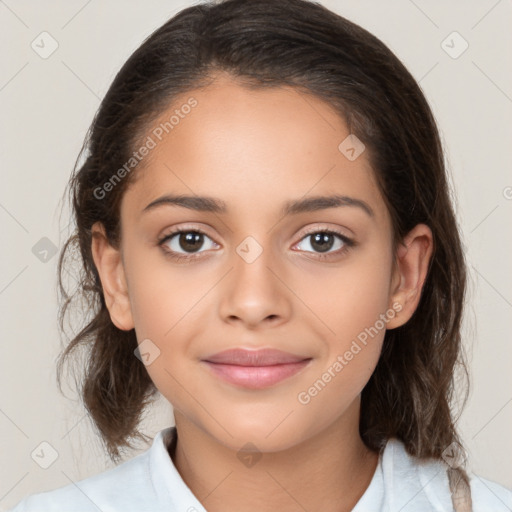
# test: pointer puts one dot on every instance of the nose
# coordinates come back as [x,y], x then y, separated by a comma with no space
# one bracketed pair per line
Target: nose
[254,293]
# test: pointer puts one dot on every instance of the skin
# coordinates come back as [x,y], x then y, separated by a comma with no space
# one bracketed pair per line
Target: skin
[256,149]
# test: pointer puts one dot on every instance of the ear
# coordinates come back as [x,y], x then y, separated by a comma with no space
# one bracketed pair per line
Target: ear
[410,271]
[110,267]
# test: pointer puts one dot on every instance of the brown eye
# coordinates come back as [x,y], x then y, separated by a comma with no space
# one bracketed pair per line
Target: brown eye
[323,241]
[190,241]
[186,243]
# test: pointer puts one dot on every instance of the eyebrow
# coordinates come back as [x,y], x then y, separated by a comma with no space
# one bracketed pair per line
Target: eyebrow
[293,207]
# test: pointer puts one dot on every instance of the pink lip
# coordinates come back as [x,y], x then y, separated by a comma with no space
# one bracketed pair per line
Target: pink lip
[255,369]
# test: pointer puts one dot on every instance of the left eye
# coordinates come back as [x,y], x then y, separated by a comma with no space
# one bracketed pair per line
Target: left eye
[323,241]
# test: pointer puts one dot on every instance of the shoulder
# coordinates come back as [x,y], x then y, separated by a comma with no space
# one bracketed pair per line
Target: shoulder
[416,484]
[489,495]
[125,487]
[120,485]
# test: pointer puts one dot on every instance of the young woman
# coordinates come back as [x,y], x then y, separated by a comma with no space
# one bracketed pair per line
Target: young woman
[267,239]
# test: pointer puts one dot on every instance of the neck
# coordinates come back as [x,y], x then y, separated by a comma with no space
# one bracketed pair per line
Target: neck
[329,471]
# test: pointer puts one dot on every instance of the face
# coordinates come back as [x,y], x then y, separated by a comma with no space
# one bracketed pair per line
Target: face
[317,282]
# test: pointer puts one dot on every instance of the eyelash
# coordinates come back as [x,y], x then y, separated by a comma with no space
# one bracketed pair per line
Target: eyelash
[348,244]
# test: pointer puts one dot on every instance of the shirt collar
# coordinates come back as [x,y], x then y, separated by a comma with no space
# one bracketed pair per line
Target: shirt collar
[168,484]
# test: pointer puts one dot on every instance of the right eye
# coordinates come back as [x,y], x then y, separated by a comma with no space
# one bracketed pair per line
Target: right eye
[187,240]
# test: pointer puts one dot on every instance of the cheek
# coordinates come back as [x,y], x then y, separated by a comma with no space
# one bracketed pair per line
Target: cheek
[353,306]
[167,304]
[352,303]
[163,296]
[350,298]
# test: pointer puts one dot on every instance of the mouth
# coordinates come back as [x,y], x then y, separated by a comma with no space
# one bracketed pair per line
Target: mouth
[255,369]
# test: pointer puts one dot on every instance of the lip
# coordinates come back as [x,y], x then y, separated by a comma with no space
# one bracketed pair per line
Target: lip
[255,369]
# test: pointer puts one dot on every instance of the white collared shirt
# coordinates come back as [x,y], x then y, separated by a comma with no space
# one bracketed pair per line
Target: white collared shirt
[150,482]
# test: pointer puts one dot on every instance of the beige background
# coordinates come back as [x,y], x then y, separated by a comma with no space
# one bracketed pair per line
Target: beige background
[47,106]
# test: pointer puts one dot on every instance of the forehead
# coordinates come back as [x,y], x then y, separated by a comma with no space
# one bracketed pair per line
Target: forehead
[254,148]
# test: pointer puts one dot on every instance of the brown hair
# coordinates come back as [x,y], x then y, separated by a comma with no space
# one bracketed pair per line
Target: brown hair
[297,43]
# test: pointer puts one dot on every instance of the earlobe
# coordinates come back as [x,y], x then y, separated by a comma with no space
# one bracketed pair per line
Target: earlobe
[411,268]
[110,268]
